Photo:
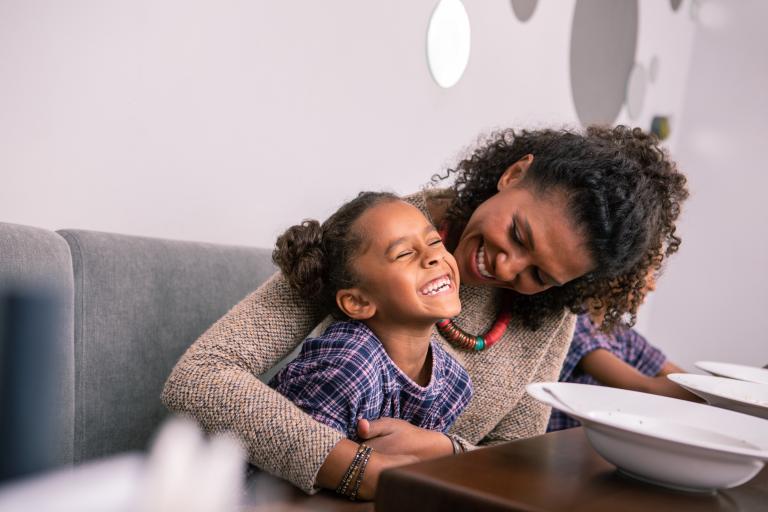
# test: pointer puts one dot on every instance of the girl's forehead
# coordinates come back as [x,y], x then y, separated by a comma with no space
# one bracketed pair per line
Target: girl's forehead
[385,223]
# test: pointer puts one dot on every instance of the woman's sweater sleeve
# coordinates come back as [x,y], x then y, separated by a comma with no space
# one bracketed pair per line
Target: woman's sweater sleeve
[216,382]
[529,417]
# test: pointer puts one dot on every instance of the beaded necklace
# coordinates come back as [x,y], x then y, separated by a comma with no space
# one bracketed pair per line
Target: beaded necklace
[460,339]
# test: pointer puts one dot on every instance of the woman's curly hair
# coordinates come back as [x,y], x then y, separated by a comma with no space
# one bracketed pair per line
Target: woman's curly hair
[623,193]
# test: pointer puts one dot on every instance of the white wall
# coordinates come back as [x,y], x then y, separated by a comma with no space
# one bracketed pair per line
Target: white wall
[712,304]
[227,121]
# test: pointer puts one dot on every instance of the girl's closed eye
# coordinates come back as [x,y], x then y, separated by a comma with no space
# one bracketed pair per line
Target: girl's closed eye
[403,254]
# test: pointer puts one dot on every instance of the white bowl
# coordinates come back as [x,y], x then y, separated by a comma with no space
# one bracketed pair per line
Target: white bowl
[735,371]
[670,442]
[736,395]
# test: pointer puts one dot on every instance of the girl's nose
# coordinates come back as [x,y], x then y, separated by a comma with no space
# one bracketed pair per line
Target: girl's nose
[432,256]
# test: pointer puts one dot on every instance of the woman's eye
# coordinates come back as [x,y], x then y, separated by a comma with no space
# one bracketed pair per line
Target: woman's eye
[538,278]
[513,233]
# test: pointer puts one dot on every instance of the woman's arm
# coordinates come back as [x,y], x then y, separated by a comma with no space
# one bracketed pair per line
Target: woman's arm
[610,370]
[216,382]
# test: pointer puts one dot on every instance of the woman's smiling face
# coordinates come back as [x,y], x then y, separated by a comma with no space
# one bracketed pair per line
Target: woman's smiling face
[522,240]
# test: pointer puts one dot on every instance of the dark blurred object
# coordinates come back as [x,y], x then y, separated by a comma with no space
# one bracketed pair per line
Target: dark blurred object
[30,373]
[660,127]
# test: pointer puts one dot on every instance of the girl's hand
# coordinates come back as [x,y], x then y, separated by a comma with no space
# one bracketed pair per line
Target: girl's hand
[398,437]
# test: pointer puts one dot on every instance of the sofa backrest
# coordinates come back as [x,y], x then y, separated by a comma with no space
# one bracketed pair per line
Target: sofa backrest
[138,304]
[38,259]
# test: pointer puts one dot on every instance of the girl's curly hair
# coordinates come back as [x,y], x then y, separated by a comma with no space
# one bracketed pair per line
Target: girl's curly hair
[623,192]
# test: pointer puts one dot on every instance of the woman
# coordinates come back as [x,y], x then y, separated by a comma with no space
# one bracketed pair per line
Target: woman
[539,222]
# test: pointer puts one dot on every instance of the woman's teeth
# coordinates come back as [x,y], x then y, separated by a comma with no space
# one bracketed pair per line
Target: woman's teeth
[480,260]
[437,286]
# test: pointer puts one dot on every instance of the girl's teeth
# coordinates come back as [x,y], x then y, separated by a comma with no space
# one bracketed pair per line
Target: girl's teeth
[437,286]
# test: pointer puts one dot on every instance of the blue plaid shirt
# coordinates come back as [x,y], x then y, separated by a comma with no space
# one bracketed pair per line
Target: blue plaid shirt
[628,345]
[346,374]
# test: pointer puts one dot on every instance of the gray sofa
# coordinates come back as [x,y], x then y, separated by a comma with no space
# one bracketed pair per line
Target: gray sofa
[131,307]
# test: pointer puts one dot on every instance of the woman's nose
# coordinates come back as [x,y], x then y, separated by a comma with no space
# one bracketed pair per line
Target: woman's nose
[509,265]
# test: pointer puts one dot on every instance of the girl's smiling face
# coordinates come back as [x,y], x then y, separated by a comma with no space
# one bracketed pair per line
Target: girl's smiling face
[406,275]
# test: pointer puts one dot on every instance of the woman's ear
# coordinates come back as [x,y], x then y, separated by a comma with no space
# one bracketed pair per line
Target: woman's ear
[355,304]
[515,172]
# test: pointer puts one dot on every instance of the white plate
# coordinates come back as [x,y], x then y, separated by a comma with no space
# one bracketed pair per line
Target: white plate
[736,395]
[735,371]
[675,443]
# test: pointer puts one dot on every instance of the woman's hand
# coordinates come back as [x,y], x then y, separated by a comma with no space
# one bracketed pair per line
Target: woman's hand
[378,463]
[398,437]
[340,458]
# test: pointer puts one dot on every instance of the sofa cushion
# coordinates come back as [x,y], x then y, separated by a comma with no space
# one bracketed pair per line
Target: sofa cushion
[140,302]
[36,262]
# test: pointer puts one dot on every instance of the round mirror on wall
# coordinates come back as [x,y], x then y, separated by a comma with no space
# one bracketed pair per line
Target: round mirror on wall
[448,42]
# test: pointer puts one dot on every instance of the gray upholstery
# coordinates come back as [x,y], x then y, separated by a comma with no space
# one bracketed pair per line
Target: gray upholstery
[33,258]
[139,303]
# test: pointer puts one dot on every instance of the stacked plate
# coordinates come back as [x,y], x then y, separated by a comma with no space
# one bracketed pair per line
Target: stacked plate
[735,371]
[674,443]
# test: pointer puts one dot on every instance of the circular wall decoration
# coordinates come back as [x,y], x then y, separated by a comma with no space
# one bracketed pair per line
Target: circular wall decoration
[448,42]
[523,9]
[636,86]
[675,4]
[603,44]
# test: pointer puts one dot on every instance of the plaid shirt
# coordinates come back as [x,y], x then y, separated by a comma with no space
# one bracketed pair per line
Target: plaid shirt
[628,345]
[346,374]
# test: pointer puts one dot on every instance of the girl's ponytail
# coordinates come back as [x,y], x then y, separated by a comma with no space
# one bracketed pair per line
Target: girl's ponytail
[299,254]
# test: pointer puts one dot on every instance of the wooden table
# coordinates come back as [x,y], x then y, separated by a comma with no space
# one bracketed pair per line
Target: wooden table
[553,472]
[267,493]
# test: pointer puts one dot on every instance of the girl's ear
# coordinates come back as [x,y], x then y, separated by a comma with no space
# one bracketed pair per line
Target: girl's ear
[355,304]
[515,172]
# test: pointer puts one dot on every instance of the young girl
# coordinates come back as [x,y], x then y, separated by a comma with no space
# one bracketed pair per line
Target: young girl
[380,266]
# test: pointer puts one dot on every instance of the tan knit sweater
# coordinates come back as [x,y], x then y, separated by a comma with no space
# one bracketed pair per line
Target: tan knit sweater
[216,379]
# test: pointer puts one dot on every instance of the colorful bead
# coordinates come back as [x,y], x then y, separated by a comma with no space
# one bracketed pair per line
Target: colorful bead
[460,339]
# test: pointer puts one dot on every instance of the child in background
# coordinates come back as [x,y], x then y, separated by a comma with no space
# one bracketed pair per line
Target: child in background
[621,359]
[380,266]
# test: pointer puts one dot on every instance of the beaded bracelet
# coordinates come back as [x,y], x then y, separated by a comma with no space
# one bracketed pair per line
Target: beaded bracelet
[361,473]
[351,470]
